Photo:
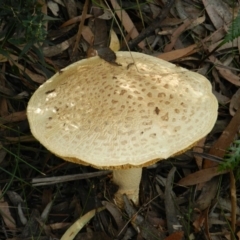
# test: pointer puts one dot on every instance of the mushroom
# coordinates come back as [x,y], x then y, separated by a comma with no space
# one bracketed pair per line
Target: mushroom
[122,117]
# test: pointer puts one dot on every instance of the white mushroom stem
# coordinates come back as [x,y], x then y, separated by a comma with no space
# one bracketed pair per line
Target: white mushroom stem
[128,181]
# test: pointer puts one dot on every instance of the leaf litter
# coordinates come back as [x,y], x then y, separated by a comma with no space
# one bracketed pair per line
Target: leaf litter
[185,197]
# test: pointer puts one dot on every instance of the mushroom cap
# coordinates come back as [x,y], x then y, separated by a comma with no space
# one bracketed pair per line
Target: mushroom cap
[107,116]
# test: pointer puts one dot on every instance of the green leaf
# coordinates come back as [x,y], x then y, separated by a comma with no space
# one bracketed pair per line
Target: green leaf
[26,48]
[234,30]
[49,18]
[232,159]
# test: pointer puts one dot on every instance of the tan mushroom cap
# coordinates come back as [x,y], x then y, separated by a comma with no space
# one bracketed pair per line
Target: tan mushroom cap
[108,116]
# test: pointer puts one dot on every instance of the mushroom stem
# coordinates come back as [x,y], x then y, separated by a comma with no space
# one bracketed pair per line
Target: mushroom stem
[128,181]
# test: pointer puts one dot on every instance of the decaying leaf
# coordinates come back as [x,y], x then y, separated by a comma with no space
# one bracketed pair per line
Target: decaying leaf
[170,206]
[200,176]
[14,117]
[175,236]
[74,20]
[218,11]
[226,73]
[145,229]
[108,55]
[71,8]
[6,214]
[58,48]
[114,42]
[107,15]
[126,22]
[35,77]
[79,224]
[53,7]
[234,103]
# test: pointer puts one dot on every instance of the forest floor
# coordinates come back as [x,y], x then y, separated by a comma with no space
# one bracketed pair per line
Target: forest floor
[190,196]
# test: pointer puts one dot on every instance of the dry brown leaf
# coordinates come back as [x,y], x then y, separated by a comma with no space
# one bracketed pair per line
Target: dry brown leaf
[101,29]
[53,7]
[116,214]
[227,236]
[34,77]
[207,195]
[6,215]
[57,49]
[93,236]
[207,225]
[14,117]
[225,205]
[106,15]
[170,22]
[46,197]
[114,43]
[215,36]
[32,228]
[73,230]
[233,197]
[5,59]
[218,149]
[21,139]
[155,220]
[179,53]
[126,22]
[197,21]
[55,226]
[218,12]
[225,73]
[221,98]
[176,34]
[186,17]
[234,103]
[80,28]
[173,223]
[87,34]
[199,223]
[187,24]
[200,176]
[74,20]
[3,154]
[238,44]
[60,2]
[3,101]
[43,6]
[175,236]
[199,148]
[229,45]
[224,141]
[184,52]
[71,8]
[155,9]
[223,88]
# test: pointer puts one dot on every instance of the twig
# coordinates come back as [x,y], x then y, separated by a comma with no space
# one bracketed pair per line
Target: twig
[150,29]
[208,156]
[171,212]
[233,204]
[146,230]
[54,180]
[79,33]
